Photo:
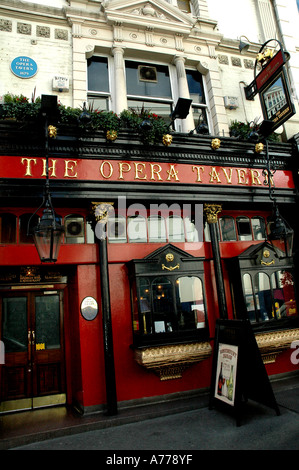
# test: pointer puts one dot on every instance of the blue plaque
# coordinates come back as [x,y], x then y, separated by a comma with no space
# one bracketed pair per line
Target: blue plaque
[23,67]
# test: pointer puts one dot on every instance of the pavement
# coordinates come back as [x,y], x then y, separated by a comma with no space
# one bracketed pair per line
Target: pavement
[179,429]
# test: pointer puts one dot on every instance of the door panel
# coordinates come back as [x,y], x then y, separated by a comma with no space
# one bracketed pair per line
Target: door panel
[32,326]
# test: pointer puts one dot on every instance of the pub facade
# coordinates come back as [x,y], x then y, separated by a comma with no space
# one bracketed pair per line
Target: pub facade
[168,217]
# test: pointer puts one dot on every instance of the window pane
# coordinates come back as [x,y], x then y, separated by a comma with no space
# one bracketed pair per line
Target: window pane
[100,103]
[164,317]
[14,319]
[191,230]
[74,229]
[258,228]
[191,310]
[24,219]
[157,85]
[97,71]
[195,85]
[47,321]
[263,296]
[137,229]
[249,300]
[283,294]
[156,229]
[244,228]
[184,5]
[145,308]
[8,228]
[117,231]
[175,229]
[161,109]
[228,230]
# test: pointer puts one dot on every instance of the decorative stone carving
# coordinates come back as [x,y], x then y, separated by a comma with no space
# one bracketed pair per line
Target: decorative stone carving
[5,25]
[169,361]
[61,34]
[43,31]
[24,28]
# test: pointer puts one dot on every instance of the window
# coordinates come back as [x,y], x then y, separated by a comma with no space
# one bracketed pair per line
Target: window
[137,229]
[167,293]
[266,294]
[156,229]
[244,228]
[98,83]
[175,229]
[258,228]
[148,86]
[23,221]
[196,92]
[117,231]
[8,228]
[227,228]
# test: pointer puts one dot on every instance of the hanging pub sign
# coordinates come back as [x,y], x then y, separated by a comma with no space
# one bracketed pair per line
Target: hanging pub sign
[273,87]
[276,100]
[236,362]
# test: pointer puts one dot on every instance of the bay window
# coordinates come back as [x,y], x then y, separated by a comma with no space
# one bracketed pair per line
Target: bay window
[168,302]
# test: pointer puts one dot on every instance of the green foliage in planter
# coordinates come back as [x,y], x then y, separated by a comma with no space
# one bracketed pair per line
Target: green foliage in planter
[149,126]
[242,130]
[19,107]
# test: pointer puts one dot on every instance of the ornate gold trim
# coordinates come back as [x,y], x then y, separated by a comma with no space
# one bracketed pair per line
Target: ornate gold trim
[102,210]
[275,342]
[171,268]
[212,211]
[169,362]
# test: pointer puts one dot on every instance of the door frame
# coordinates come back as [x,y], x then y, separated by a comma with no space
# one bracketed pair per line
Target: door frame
[33,402]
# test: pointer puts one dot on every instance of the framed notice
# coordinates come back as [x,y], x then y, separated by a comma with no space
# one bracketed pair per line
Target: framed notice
[225,385]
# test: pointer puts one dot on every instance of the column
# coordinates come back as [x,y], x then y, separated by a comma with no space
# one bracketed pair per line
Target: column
[183,90]
[101,214]
[120,91]
[212,211]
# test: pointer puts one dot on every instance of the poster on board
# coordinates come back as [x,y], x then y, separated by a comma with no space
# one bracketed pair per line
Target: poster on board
[226,373]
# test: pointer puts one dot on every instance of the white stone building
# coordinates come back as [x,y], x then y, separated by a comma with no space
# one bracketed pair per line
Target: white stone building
[97,46]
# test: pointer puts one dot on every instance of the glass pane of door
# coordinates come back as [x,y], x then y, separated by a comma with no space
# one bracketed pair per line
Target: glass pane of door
[14,326]
[47,322]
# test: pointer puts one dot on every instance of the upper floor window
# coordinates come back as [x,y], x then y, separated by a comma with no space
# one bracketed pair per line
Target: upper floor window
[98,82]
[149,87]
[196,91]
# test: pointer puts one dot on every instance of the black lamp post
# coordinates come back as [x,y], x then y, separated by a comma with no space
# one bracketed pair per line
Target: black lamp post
[48,233]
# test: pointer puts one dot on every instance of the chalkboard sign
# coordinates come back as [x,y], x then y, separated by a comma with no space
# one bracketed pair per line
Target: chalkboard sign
[238,371]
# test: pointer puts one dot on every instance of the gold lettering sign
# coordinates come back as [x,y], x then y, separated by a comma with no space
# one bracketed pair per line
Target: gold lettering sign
[133,171]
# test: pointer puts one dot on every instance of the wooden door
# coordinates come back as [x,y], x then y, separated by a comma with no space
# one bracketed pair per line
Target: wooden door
[32,332]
